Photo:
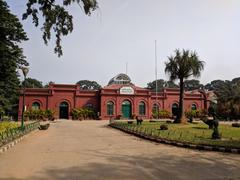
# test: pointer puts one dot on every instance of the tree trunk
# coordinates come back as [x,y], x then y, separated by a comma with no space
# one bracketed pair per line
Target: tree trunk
[205,99]
[181,118]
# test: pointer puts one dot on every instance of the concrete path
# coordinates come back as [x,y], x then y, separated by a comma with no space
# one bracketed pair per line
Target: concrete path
[91,150]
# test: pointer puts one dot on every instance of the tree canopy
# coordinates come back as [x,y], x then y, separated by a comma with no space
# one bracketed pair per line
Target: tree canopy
[183,65]
[171,84]
[160,85]
[213,85]
[56,17]
[32,83]
[11,57]
[88,85]
[48,84]
[228,97]
[192,84]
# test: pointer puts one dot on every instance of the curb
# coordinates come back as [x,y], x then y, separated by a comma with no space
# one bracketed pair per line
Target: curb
[10,145]
[178,143]
[6,147]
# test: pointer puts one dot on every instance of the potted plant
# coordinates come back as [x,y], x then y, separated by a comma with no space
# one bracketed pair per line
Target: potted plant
[44,126]
[49,114]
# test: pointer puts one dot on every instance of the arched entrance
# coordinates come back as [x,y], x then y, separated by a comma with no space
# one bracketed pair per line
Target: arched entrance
[194,107]
[175,109]
[35,106]
[126,109]
[63,110]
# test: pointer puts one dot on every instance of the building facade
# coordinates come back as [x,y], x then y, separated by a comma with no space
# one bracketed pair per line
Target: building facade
[120,98]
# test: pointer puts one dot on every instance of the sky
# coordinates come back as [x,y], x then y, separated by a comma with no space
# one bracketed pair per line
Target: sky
[123,32]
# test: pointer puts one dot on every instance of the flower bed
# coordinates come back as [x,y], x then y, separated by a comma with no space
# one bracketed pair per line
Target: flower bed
[12,131]
[7,125]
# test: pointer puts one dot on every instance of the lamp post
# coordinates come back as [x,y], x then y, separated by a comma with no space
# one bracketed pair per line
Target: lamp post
[25,72]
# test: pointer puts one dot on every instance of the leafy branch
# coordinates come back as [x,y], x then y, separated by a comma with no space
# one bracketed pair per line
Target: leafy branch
[56,18]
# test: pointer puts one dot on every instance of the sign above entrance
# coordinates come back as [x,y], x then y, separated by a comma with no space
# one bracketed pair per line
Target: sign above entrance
[126,90]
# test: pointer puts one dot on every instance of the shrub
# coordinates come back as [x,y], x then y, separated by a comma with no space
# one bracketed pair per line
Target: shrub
[49,114]
[75,113]
[235,124]
[155,114]
[31,114]
[38,114]
[152,120]
[194,114]
[164,127]
[162,114]
[83,113]
[7,125]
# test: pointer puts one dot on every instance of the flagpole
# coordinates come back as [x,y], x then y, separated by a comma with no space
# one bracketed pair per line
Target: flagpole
[156,74]
[126,68]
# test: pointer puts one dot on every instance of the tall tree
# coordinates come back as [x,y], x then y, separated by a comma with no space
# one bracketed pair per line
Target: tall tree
[48,84]
[213,85]
[32,83]
[152,85]
[89,85]
[228,94]
[56,17]
[160,85]
[236,81]
[182,66]
[171,84]
[11,57]
[192,84]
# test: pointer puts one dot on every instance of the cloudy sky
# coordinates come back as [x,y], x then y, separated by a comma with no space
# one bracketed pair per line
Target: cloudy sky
[123,31]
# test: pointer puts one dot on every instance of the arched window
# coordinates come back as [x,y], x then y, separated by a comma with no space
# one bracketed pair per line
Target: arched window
[89,106]
[175,109]
[194,107]
[64,104]
[155,108]
[35,106]
[142,109]
[110,108]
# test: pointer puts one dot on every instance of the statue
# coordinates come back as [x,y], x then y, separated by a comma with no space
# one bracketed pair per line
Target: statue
[139,121]
[212,124]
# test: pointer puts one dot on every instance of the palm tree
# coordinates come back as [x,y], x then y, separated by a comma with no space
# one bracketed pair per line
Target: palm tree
[182,66]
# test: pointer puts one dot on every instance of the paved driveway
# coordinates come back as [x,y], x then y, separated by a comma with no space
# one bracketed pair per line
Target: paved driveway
[91,150]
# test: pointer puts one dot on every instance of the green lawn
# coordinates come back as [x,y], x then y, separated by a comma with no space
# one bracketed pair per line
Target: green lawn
[193,133]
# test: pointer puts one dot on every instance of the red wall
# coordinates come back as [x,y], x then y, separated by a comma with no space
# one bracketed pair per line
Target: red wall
[51,98]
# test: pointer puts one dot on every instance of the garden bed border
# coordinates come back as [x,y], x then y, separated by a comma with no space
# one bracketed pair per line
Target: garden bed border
[19,136]
[175,142]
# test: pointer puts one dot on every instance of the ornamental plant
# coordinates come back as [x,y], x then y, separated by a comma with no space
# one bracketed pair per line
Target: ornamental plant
[194,114]
[162,114]
[75,113]
[39,114]
[49,114]
[7,125]
[83,113]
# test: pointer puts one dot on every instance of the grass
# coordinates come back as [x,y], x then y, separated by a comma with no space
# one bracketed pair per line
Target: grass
[6,125]
[197,133]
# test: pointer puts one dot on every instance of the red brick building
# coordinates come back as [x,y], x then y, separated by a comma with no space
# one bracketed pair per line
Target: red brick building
[119,98]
